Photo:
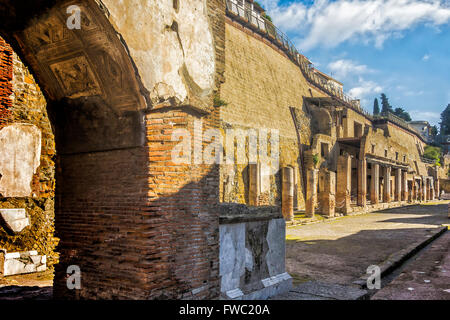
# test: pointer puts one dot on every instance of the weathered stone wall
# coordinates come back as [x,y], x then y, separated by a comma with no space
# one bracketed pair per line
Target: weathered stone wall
[445,185]
[352,117]
[261,84]
[393,139]
[28,106]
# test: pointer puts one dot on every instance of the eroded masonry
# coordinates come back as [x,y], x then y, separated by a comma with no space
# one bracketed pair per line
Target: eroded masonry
[88,126]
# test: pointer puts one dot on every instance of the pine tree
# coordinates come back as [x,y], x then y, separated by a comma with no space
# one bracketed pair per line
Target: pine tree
[401,113]
[376,107]
[385,106]
[445,121]
[434,131]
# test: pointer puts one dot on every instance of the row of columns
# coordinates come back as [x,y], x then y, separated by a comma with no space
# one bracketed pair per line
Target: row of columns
[335,188]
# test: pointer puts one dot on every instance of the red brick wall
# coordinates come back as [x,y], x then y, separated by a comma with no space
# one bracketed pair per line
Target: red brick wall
[6,74]
[104,223]
[186,197]
[137,224]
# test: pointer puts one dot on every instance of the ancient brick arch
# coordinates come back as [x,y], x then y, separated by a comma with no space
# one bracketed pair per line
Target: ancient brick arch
[137,226]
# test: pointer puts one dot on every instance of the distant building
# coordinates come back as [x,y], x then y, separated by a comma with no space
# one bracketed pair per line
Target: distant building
[424,128]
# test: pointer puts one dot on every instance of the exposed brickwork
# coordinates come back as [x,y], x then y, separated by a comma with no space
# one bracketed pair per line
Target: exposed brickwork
[185,196]
[6,74]
[23,101]
[137,224]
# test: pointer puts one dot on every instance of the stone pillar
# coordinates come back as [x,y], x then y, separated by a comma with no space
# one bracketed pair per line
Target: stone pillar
[311,191]
[424,189]
[437,187]
[375,184]
[327,197]
[432,191]
[344,181]
[287,193]
[398,185]
[362,182]
[404,186]
[419,190]
[387,184]
[253,183]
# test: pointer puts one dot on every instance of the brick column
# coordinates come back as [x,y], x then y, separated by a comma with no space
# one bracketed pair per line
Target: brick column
[405,186]
[287,194]
[311,191]
[375,184]
[387,184]
[327,197]
[344,181]
[253,183]
[362,182]
[398,185]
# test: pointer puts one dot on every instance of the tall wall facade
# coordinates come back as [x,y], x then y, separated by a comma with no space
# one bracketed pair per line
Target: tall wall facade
[263,89]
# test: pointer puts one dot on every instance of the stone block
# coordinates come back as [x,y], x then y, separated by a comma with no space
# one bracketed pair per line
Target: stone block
[20,152]
[22,263]
[252,259]
[15,219]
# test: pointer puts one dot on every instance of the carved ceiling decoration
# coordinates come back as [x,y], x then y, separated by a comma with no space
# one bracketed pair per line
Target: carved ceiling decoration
[88,62]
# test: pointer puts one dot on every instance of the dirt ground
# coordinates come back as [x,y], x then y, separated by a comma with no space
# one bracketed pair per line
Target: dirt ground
[427,277]
[340,251]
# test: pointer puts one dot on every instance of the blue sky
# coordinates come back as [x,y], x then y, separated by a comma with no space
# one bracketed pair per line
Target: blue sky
[399,47]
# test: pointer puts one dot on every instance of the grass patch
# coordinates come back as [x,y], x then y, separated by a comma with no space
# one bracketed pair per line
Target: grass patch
[298,279]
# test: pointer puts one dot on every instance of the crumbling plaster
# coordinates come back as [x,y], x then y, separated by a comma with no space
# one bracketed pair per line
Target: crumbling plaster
[175,57]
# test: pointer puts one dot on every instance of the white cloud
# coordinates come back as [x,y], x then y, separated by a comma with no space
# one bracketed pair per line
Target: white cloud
[329,23]
[426,57]
[344,67]
[432,117]
[364,89]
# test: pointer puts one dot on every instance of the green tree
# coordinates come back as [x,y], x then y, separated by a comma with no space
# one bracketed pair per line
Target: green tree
[433,153]
[434,131]
[376,107]
[445,121]
[385,106]
[401,113]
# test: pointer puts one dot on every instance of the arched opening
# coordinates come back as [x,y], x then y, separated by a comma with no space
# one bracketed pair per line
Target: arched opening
[134,228]
[96,109]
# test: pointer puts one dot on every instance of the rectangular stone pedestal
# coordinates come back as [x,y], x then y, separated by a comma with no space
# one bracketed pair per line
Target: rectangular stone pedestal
[22,263]
[252,253]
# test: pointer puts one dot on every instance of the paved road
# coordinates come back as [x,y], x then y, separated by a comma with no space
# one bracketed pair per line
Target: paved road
[340,251]
[427,277]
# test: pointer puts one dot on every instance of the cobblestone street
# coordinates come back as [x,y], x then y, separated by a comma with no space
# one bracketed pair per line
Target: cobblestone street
[340,251]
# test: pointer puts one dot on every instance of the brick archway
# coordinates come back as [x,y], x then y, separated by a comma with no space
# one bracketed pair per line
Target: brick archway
[135,229]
